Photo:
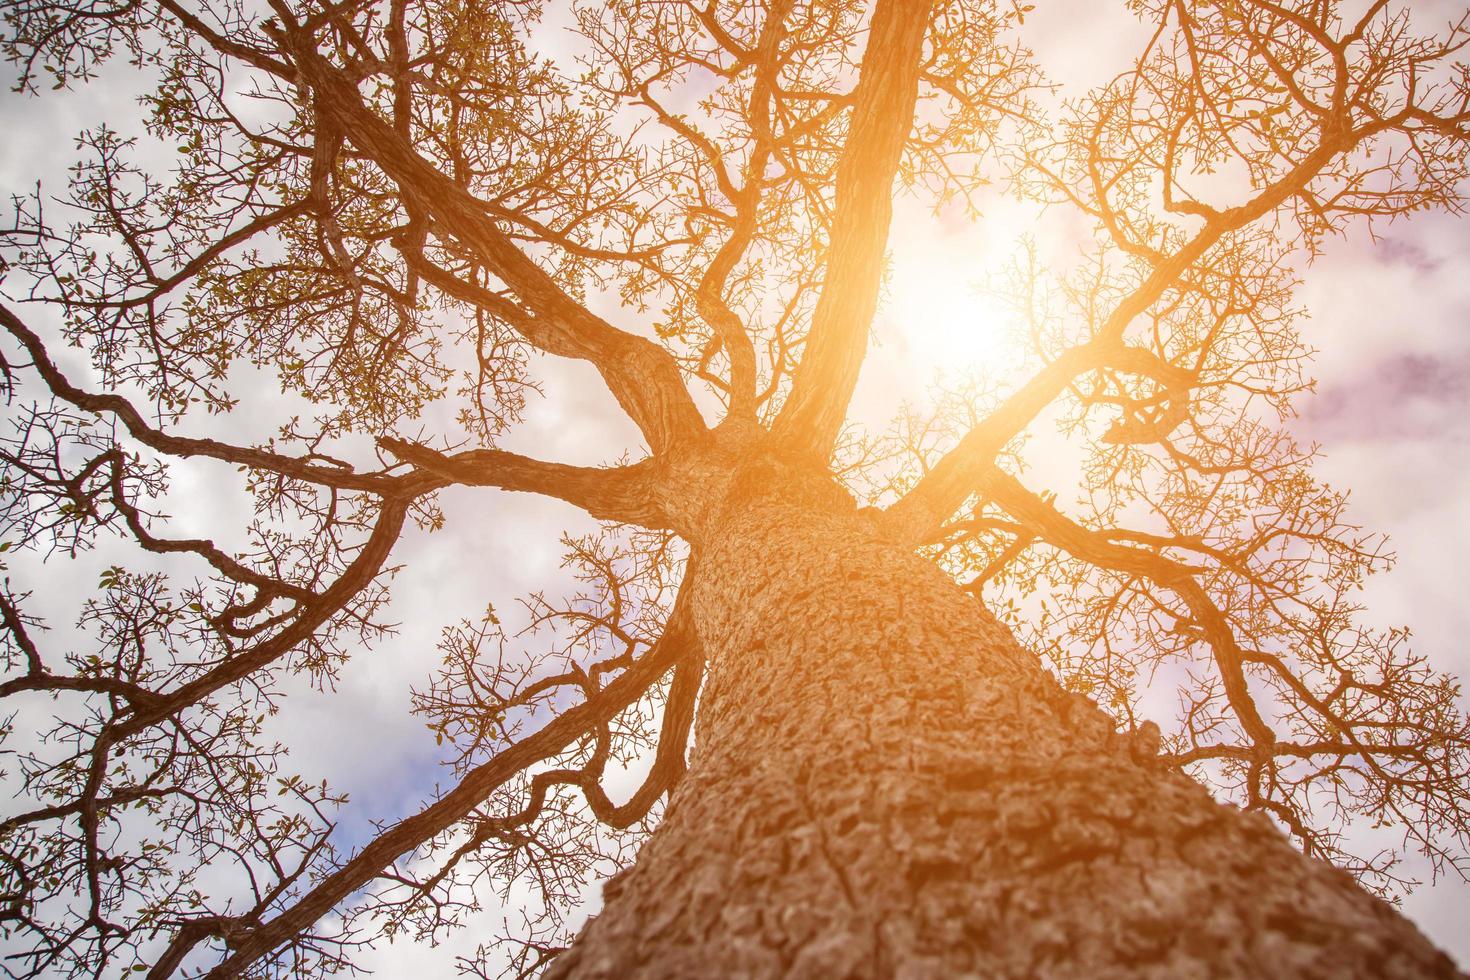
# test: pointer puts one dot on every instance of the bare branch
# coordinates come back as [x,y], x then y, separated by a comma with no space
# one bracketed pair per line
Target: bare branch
[562,731]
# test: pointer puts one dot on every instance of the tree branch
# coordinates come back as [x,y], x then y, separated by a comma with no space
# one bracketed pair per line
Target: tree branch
[621,493]
[341,478]
[882,117]
[642,376]
[1056,529]
[944,488]
[561,732]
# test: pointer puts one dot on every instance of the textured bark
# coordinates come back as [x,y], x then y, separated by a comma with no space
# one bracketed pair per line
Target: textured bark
[886,785]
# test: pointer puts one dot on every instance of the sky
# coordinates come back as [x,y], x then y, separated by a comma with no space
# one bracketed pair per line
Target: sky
[1391,319]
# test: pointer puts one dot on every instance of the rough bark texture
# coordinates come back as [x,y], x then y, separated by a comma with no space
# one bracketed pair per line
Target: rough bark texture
[886,785]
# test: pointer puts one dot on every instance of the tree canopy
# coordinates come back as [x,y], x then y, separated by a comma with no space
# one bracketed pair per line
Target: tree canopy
[394,213]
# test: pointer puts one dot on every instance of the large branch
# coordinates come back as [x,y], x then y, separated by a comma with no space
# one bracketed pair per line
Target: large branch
[946,485]
[617,494]
[137,426]
[249,945]
[642,376]
[949,482]
[1052,526]
[626,494]
[882,117]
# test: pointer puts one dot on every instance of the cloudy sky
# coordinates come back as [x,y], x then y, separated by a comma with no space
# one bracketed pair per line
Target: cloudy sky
[1390,317]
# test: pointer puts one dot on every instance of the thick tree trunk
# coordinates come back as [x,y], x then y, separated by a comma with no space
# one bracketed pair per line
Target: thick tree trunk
[886,785]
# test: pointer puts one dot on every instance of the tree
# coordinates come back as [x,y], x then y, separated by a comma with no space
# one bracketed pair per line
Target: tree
[400,210]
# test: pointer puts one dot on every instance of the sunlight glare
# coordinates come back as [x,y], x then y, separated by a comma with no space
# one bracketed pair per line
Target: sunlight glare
[938,302]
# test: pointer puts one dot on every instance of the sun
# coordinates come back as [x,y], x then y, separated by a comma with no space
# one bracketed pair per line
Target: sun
[945,314]
[941,305]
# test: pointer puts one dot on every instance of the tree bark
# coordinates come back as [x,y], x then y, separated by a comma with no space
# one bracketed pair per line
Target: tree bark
[885,784]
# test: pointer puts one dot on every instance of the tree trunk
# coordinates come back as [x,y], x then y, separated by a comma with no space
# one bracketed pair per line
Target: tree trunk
[885,784]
